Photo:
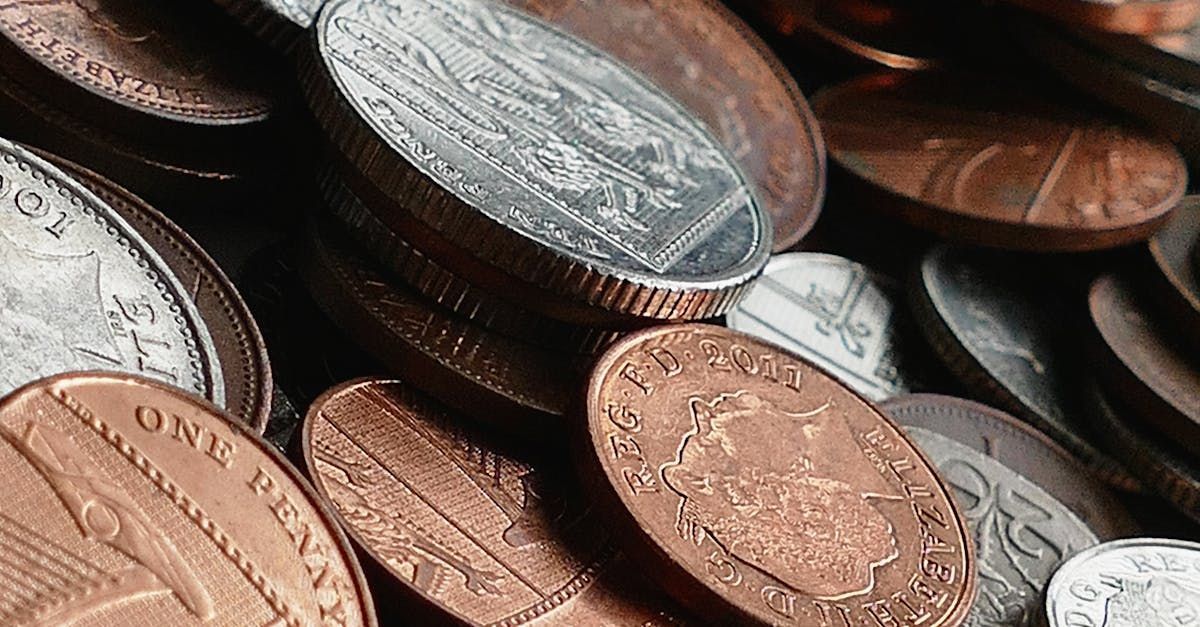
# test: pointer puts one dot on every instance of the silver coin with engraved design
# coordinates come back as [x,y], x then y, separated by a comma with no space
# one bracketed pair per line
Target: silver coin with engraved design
[1137,582]
[835,312]
[81,290]
[1021,533]
[537,155]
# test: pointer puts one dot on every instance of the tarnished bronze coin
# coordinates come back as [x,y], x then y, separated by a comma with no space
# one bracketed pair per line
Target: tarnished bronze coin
[514,386]
[707,58]
[245,366]
[1022,449]
[991,165]
[1001,333]
[1139,362]
[1177,282]
[757,488]
[129,502]
[466,532]
[1136,17]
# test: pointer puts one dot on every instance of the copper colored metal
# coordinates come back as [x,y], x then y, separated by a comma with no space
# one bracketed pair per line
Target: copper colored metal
[1021,448]
[757,488]
[987,164]
[1176,281]
[129,502]
[1135,17]
[1139,362]
[702,54]
[244,361]
[465,532]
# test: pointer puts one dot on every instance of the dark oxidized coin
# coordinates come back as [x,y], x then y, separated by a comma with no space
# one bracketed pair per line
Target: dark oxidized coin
[464,531]
[842,316]
[1176,282]
[1136,17]
[280,23]
[1139,362]
[1023,532]
[1003,336]
[511,385]
[991,165]
[707,58]
[1023,450]
[239,346]
[1174,57]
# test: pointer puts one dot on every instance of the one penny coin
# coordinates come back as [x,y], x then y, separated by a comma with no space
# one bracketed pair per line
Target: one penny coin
[842,316]
[706,57]
[1137,581]
[757,488]
[1021,449]
[999,332]
[990,165]
[1177,282]
[465,531]
[245,366]
[1026,531]
[1135,17]
[1138,361]
[130,502]
[514,386]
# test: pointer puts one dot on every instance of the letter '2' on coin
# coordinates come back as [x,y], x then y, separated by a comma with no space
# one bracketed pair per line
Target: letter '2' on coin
[758,488]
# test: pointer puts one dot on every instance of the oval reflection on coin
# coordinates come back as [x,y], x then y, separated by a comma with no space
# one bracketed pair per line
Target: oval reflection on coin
[129,502]
[1022,533]
[81,290]
[759,489]
[466,531]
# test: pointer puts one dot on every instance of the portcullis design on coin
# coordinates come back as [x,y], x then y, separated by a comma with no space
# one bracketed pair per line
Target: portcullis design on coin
[758,488]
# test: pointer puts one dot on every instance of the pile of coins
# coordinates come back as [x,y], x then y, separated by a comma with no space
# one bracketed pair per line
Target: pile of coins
[506,312]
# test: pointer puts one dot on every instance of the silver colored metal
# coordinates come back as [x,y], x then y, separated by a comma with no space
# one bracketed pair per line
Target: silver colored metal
[81,290]
[1022,534]
[1137,582]
[537,154]
[835,312]
[279,23]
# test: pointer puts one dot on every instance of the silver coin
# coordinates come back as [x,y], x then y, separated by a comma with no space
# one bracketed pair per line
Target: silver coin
[1022,533]
[547,158]
[278,22]
[837,313]
[1138,582]
[81,290]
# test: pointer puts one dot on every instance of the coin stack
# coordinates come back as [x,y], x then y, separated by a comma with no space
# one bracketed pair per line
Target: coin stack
[540,325]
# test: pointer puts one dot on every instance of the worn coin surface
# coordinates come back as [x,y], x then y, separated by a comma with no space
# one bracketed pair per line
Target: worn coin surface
[1022,533]
[705,56]
[1139,360]
[999,331]
[467,531]
[81,290]
[245,365]
[1022,449]
[532,160]
[128,502]
[1177,281]
[759,489]
[1136,17]
[280,23]
[513,386]
[994,166]
[837,313]
[1149,582]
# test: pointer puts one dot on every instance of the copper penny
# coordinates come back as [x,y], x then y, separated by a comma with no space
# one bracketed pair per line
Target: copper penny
[129,502]
[1136,17]
[245,365]
[1138,361]
[514,386]
[467,532]
[1176,281]
[1022,449]
[702,54]
[757,488]
[124,57]
[990,165]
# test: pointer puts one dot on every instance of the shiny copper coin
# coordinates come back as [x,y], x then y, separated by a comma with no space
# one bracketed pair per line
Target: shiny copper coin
[1138,361]
[1176,281]
[1022,449]
[757,488]
[989,165]
[705,56]
[514,386]
[1136,17]
[128,502]
[245,365]
[466,532]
